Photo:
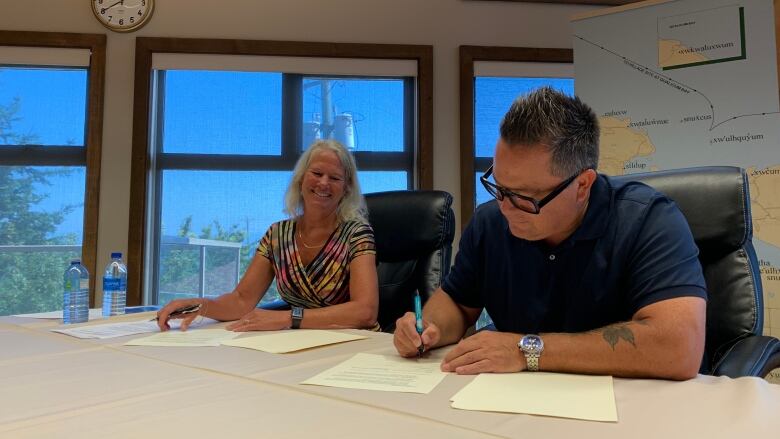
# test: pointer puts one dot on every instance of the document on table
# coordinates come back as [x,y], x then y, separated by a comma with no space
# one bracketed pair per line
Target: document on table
[94,314]
[291,341]
[389,373]
[539,393]
[194,337]
[121,329]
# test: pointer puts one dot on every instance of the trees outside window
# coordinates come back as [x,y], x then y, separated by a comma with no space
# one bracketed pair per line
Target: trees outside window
[49,156]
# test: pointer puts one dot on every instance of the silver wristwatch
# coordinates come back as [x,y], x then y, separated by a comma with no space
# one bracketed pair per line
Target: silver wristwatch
[532,347]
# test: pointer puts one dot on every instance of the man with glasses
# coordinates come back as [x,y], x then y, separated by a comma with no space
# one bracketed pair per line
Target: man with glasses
[579,273]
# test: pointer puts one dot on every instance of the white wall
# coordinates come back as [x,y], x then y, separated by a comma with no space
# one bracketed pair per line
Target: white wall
[445,24]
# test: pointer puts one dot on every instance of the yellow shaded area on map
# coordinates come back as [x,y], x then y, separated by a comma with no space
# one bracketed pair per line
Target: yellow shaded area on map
[674,53]
[620,144]
[770,281]
[765,203]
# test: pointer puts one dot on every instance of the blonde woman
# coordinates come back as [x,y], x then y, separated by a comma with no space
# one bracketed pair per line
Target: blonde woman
[322,256]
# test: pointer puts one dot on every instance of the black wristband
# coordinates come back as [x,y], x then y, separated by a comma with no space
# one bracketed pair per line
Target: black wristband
[297,315]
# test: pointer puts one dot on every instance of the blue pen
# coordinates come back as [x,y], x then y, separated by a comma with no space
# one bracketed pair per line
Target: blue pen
[419,321]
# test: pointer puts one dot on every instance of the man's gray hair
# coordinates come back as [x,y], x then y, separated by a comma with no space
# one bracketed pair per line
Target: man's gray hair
[566,126]
[352,206]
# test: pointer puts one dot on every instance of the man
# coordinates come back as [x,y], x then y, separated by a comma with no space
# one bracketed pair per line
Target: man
[579,274]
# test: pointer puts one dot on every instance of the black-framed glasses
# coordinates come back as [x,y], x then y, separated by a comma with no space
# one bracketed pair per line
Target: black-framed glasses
[526,204]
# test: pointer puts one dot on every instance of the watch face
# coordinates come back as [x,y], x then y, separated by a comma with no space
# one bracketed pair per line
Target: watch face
[532,344]
[297,312]
[123,15]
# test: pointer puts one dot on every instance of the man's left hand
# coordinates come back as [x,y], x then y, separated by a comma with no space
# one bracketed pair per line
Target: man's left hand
[486,351]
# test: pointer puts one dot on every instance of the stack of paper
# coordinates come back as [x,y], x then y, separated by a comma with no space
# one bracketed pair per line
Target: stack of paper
[94,314]
[111,330]
[291,341]
[389,373]
[197,337]
[540,393]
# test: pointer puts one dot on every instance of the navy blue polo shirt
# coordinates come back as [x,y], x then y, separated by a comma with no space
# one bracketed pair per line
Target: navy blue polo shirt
[633,248]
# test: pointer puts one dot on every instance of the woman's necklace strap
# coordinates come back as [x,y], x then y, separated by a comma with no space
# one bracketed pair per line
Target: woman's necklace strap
[310,247]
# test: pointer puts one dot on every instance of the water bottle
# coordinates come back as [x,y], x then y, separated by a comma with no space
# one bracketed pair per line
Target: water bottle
[114,287]
[75,298]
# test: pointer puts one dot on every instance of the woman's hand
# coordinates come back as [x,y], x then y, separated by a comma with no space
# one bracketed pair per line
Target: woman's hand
[261,320]
[164,315]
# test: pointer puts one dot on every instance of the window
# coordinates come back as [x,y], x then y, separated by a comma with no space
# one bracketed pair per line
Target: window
[491,78]
[493,95]
[223,130]
[49,156]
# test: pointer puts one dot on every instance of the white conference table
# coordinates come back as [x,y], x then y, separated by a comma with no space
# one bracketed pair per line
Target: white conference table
[53,385]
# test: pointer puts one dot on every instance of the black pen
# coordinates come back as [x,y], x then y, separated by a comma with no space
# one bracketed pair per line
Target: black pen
[189,309]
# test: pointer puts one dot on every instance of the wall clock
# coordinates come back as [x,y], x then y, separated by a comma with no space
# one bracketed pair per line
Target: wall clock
[123,15]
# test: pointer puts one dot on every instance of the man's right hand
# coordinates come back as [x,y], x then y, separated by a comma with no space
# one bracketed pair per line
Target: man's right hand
[407,340]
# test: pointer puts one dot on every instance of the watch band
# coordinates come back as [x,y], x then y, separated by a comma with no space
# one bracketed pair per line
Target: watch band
[532,362]
[297,315]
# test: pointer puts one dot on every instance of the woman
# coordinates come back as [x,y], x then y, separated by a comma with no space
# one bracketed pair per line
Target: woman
[323,257]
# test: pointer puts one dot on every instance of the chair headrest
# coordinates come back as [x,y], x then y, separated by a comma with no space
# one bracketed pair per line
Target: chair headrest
[409,224]
[714,199]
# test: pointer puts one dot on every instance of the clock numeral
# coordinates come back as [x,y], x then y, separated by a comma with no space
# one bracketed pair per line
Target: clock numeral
[109,18]
[102,12]
[143,2]
[132,19]
[140,13]
[121,21]
[100,2]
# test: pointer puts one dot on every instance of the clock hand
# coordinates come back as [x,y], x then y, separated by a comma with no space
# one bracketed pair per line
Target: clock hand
[120,1]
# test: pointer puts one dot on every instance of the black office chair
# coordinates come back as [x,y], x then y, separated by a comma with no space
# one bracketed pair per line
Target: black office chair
[716,202]
[413,232]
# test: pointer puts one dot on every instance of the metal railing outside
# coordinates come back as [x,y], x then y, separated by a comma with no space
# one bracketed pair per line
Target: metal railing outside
[202,246]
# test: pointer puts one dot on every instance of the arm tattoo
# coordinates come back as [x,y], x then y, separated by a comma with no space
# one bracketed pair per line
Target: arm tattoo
[613,333]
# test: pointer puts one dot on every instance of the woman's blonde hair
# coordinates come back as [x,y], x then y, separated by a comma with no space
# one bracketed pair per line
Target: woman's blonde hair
[352,206]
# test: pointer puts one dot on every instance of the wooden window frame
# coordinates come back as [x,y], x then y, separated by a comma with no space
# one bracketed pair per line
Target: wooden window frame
[468,56]
[90,154]
[146,47]
[573,2]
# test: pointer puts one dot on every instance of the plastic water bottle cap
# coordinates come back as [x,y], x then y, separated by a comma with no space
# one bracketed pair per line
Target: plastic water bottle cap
[75,262]
[116,255]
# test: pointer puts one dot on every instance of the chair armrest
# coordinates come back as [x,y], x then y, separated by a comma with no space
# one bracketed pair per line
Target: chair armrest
[753,356]
[275,305]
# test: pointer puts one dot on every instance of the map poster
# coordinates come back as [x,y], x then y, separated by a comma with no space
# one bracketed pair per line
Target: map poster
[685,83]
[701,37]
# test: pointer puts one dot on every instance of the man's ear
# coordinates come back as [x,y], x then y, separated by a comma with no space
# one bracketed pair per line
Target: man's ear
[584,182]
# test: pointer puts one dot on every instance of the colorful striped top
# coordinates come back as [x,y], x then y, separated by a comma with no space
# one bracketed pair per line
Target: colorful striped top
[325,280]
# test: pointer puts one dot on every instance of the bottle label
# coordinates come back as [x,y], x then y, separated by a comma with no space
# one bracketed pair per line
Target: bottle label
[112,283]
[84,284]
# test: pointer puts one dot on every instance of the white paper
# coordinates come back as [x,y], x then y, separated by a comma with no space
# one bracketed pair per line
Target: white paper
[291,341]
[94,314]
[388,373]
[193,338]
[112,330]
[540,393]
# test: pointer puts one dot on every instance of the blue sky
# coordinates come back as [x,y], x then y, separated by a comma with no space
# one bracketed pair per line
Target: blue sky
[493,97]
[237,113]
